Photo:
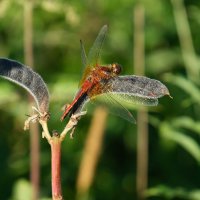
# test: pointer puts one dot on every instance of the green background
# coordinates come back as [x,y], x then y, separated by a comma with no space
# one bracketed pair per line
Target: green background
[174,127]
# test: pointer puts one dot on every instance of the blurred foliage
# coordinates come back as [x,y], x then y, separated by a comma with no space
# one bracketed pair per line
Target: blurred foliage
[22,190]
[174,149]
[173,193]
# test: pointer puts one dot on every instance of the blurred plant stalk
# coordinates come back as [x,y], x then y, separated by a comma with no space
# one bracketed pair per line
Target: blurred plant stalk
[142,115]
[183,29]
[91,153]
[34,128]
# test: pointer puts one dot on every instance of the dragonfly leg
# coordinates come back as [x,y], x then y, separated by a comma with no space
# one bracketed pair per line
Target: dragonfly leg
[72,133]
[71,125]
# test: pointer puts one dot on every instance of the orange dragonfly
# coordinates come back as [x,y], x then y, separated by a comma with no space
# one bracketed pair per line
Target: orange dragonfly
[104,80]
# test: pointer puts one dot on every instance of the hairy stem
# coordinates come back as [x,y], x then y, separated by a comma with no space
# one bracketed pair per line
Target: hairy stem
[55,143]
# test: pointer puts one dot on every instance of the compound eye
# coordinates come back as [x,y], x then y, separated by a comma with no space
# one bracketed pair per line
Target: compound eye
[116,68]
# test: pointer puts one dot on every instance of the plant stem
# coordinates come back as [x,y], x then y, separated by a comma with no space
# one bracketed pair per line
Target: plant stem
[142,116]
[55,167]
[184,33]
[34,128]
[91,153]
[55,143]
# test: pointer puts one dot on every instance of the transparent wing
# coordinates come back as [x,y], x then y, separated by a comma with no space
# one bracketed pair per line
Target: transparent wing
[84,63]
[83,55]
[117,103]
[94,53]
[114,107]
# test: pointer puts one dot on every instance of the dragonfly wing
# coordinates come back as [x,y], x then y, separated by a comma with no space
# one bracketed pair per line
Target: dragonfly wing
[84,63]
[83,55]
[94,53]
[92,60]
[114,107]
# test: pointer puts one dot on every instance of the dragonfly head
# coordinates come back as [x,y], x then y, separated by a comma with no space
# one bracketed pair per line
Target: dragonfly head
[116,68]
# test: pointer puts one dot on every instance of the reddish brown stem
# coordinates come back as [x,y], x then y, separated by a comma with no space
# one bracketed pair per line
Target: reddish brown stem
[55,167]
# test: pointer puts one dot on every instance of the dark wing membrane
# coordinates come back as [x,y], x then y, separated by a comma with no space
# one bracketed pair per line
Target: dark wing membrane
[94,53]
[137,86]
[28,79]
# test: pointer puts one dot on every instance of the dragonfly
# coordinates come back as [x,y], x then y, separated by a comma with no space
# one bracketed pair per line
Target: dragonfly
[104,81]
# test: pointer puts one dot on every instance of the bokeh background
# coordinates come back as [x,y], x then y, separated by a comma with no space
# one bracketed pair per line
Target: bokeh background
[114,163]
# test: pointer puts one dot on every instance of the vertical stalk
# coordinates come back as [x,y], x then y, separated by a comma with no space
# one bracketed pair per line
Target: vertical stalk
[55,167]
[142,116]
[186,43]
[28,32]
[91,153]
[142,153]
[34,129]
[35,160]
[185,38]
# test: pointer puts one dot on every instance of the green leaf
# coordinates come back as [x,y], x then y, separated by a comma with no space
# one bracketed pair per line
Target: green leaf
[187,142]
[186,85]
[155,60]
[194,195]
[22,190]
[172,193]
[7,92]
[187,123]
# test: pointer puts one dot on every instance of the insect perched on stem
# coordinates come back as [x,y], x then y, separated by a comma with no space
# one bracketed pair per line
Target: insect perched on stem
[104,80]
